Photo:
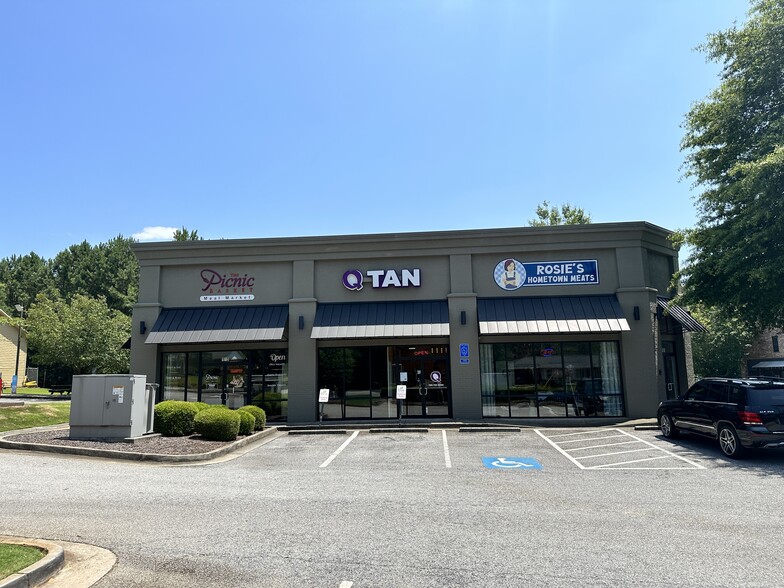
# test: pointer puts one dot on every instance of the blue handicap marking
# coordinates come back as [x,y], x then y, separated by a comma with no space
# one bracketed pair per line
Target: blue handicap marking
[511,463]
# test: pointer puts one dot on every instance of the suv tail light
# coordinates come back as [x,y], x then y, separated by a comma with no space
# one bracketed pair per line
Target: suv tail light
[749,418]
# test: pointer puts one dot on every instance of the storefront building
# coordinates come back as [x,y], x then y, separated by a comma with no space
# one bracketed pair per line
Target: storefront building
[535,322]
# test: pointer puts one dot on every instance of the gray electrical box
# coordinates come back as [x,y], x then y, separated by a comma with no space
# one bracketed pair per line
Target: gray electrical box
[115,406]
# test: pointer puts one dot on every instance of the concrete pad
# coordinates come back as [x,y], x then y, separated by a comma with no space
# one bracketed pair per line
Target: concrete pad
[84,566]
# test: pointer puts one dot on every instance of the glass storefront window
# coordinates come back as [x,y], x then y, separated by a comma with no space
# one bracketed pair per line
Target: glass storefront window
[173,376]
[553,379]
[192,380]
[211,385]
[608,380]
[270,382]
[577,376]
[259,377]
[549,378]
[363,380]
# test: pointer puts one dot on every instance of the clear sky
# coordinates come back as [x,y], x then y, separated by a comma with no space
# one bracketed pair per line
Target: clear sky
[263,118]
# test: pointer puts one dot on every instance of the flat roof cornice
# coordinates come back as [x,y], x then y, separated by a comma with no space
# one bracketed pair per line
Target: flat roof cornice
[597,235]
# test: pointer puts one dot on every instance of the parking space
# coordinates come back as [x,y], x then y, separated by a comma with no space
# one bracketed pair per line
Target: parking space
[593,449]
[552,450]
[449,449]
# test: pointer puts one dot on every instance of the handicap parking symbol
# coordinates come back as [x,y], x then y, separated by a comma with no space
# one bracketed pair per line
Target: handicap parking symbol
[511,463]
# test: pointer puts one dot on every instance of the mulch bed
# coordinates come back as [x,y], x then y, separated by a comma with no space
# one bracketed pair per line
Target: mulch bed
[191,445]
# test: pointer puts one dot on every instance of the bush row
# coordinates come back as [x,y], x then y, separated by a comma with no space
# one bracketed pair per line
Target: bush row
[178,418]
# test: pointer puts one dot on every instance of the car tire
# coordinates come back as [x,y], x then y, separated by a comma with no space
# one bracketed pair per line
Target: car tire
[729,442]
[667,427]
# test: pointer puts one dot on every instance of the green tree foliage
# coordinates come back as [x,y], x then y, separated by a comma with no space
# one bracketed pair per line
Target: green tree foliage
[184,235]
[22,278]
[83,334]
[109,270]
[550,215]
[720,351]
[734,145]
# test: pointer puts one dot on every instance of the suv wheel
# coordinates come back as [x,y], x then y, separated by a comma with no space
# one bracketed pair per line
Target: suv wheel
[667,427]
[729,442]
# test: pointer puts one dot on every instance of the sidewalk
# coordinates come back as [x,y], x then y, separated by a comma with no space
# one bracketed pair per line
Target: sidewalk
[66,564]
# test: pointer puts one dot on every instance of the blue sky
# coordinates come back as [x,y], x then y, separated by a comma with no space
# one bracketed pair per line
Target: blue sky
[260,118]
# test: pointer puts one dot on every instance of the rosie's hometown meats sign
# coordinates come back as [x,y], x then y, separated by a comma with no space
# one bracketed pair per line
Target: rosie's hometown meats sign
[511,274]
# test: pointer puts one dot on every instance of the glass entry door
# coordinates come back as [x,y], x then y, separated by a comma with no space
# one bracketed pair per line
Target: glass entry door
[670,370]
[424,370]
[235,383]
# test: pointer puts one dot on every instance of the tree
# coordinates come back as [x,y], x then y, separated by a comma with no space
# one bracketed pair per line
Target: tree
[184,235]
[108,269]
[734,152]
[720,351]
[23,278]
[84,335]
[547,215]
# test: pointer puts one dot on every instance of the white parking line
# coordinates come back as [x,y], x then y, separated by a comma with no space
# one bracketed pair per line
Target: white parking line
[341,448]
[602,445]
[447,459]
[346,584]
[589,436]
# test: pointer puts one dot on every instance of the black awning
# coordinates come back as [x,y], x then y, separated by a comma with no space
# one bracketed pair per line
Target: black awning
[554,314]
[358,320]
[773,364]
[680,314]
[222,324]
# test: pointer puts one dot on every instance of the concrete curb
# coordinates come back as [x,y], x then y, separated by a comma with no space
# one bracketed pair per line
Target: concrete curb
[318,432]
[400,430]
[38,572]
[115,454]
[489,430]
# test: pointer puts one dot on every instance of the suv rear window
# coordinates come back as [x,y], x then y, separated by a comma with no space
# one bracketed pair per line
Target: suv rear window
[773,396]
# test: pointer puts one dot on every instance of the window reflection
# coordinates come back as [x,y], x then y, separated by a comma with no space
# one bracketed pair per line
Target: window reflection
[551,379]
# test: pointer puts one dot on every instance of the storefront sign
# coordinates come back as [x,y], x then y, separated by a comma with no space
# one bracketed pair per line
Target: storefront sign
[353,278]
[220,287]
[277,359]
[511,274]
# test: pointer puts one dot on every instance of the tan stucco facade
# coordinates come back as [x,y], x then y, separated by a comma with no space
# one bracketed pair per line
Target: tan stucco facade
[635,262]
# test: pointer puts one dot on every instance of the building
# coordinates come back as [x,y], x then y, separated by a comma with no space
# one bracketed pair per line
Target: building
[530,322]
[765,357]
[13,344]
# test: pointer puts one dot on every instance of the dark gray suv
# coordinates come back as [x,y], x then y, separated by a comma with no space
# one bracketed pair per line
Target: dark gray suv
[741,414]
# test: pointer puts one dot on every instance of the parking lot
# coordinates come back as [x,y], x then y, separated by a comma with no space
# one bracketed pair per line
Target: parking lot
[537,507]
[554,449]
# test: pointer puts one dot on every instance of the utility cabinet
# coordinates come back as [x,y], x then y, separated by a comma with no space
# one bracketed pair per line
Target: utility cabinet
[116,406]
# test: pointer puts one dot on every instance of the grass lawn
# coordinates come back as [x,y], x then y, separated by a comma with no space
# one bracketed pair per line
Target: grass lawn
[17,557]
[33,415]
[22,390]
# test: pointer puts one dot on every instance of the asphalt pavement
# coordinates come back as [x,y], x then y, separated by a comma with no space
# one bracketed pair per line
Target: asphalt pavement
[417,509]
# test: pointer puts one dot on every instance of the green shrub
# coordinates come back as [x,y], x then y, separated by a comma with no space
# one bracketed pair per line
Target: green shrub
[269,402]
[258,413]
[174,418]
[247,422]
[201,405]
[217,424]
